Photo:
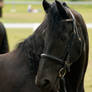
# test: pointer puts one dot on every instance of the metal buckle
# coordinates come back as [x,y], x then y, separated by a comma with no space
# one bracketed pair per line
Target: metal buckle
[62,72]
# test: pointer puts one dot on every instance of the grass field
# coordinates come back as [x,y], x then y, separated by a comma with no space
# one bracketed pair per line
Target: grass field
[17,35]
[88,78]
[21,14]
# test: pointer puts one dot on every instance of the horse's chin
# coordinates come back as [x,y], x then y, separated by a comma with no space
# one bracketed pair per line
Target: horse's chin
[50,90]
[58,90]
[54,88]
[55,91]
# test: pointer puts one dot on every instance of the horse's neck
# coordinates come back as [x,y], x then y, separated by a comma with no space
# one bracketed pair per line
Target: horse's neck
[32,48]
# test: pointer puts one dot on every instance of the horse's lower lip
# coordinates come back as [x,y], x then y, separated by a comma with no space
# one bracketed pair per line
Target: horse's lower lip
[58,91]
[55,91]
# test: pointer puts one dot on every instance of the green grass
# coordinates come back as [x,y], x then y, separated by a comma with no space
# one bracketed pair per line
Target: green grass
[88,77]
[85,11]
[21,14]
[23,0]
[17,35]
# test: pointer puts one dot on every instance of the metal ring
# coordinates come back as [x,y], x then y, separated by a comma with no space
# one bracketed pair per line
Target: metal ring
[60,73]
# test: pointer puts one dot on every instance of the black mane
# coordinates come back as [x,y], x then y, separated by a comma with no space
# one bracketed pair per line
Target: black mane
[33,47]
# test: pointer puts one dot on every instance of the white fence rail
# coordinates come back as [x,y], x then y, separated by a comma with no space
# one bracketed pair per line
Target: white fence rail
[30,25]
[22,25]
[39,2]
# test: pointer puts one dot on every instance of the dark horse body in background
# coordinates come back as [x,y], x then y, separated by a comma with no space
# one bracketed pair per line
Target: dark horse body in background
[65,50]
[4,47]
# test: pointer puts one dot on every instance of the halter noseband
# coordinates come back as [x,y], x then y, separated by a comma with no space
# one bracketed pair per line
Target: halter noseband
[65,62]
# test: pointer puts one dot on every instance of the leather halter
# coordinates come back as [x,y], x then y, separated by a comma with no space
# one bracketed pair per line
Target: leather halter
[65,60]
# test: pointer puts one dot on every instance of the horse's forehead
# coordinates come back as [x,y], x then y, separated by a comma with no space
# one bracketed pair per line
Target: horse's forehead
[53,4]
[54,7]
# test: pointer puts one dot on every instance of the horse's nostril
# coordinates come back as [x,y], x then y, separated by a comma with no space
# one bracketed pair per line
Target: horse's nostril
[46,83]
[43,83]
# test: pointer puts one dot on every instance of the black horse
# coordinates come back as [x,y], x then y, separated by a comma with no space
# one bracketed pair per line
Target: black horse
[65,56]
[19,67]
[4,47]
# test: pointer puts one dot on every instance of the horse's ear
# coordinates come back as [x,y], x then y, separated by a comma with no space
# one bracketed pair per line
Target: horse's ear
[46,6]
[61,9]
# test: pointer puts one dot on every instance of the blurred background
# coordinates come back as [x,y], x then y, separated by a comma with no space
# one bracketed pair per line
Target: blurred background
[22,17]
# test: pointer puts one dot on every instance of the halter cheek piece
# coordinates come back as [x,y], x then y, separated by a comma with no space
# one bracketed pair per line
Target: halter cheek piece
[66,60]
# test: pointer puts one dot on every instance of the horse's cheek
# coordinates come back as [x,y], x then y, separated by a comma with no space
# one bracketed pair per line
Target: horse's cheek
[76,50]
